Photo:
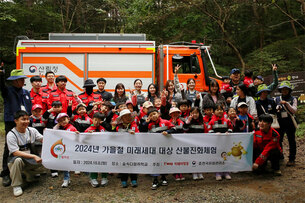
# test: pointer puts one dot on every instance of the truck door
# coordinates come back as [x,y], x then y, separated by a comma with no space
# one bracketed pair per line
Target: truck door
[190,68]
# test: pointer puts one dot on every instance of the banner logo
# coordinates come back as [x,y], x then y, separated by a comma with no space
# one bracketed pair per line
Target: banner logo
[32,69]
[236,151]
[58,148]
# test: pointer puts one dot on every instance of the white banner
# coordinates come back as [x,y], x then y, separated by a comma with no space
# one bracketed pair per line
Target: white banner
[147,153]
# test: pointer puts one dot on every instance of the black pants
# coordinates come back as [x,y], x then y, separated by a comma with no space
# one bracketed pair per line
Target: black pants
[273,156]
[124,176]
[286,126]
[9,125]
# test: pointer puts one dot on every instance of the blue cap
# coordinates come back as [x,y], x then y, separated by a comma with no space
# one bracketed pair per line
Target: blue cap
[234,70]
[259,77]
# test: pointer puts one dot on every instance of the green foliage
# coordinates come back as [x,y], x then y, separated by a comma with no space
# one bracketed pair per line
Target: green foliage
[285,53]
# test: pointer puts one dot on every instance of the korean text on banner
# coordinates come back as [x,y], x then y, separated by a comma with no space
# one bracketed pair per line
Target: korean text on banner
[147,153]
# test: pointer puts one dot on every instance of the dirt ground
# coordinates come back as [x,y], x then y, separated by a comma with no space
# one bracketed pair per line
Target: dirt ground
[244,187]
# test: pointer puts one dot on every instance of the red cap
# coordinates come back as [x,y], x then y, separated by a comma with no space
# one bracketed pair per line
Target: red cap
[36,106]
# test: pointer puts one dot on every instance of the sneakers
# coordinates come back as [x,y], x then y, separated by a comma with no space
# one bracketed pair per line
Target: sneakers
[94,182]
[228,177]
[195,176]
[134,183]
[182,177]
[218,178]
[76,173]
[54,174]
[155,184]
[177,177]
[65,183]
[124,184]
[17,191]
[200,176]
[164,182]
[290,163]
[104,182]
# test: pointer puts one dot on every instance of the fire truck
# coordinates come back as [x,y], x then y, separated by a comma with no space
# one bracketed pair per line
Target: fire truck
[119,58]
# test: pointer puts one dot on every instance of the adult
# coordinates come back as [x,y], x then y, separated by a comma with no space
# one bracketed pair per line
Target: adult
[152,92]
[242,96]
[235,80]
[138,92]
[213,96]
[286,109]
[119,94]
[259,80]
[101,83]
[50,77]
[20,141]
[172,95]
[37,95]
[266,145]
[88,95]
[62,94]
[264,105]
[15,98]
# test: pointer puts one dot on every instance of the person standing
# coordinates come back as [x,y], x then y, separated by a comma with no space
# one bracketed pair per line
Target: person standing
[15,98]
[89,95]
[37,95]
[50,77]
[286,106]
[101,83]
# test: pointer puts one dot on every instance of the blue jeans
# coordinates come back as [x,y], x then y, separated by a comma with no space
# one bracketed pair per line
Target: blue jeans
[66,175]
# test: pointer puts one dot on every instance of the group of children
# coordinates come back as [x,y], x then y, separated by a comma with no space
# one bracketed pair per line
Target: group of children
[125,117]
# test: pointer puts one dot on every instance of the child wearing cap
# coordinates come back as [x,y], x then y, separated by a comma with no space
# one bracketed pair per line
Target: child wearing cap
[286,110]
[81,120]
[220,124]
[131,108]
[37,123]
[63,123]
[125,123]
[143,115]
[245,117]
[174,113]
[36,118]
[96,126]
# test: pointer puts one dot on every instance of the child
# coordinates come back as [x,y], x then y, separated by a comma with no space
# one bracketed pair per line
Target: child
[50,115]
[220,124]
[64,124]
[81,120]
[248,81]
[235,121]
[127,124]
[37,123]
[155,124]
[195,124]
[226,89]
[157,103]
[184,107]
[245,117]
[208,113]
[134,114]
[175,120]
[143,115]
[36,118]
[96,126]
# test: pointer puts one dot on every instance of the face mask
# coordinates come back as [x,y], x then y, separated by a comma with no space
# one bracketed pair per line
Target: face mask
[89,90]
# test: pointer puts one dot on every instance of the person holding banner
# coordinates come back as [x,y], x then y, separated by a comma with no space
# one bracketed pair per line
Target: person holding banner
[96,126]
[20,142]
[127,124]
[63,123]
[266,145]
